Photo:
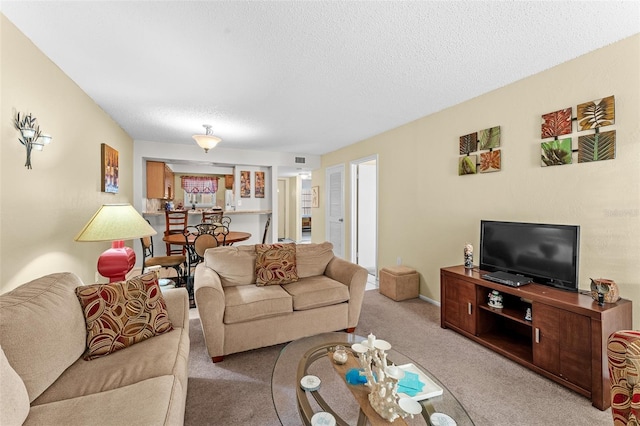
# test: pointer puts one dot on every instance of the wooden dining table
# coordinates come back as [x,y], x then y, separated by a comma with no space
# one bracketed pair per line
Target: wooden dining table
[232,237]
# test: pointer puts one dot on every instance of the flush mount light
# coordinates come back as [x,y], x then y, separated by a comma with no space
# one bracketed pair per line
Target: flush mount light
[207,141]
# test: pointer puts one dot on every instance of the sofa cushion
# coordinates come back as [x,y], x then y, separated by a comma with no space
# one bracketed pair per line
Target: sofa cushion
[121,314]
[276,264]
[156,401]
[234,264]
[14,399]
[315,292]
[312,259]
[42,329]
[166,354]
[250,302]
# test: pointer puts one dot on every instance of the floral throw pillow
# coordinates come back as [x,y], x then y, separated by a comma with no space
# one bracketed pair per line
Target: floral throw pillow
[121,314]
[276,264]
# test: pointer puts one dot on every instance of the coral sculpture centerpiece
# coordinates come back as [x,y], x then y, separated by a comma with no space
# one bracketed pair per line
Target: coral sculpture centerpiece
[383,379]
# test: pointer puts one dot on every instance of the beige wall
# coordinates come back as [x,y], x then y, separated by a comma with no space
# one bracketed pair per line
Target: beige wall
[44,208]
[427,212]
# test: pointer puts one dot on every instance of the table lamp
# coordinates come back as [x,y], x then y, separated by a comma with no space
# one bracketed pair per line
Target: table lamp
[115,223]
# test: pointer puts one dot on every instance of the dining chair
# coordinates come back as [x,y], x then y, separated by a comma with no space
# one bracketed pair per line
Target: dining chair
[214,216]
[221,232]
[206,227]
[266,230]
[204,242]
[190,233]
[177,262]
[175,222]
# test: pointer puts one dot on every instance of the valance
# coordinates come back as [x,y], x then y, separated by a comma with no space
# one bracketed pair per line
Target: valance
[199,184]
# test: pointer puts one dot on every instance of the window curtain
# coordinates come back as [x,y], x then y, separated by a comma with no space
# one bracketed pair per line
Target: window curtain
[199,184]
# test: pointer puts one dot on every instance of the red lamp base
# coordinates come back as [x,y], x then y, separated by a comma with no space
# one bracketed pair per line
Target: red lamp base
[116,262]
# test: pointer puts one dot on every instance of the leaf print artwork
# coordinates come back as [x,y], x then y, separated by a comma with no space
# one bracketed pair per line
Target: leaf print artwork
[598,113]
[467,165]
[556,123]
[468,143]
[490,161]
[489,138]
[556,152]
[596,147]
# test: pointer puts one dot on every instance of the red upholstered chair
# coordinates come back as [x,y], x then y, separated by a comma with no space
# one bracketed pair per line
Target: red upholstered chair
[623,354]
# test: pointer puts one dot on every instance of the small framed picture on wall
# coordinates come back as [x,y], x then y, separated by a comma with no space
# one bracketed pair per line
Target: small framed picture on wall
[109,169]
[315,196]
[245,184]
[259,185]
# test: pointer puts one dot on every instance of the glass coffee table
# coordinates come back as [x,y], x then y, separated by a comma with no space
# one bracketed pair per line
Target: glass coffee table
[312,356]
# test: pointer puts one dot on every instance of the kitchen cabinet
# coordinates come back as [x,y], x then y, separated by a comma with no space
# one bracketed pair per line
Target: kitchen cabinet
[228,181]
[159,181]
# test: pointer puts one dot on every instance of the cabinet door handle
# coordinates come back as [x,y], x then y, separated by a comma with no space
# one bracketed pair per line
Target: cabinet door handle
[469,308]
[537,335]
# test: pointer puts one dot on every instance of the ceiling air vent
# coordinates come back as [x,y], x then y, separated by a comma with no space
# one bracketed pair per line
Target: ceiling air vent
[300,160]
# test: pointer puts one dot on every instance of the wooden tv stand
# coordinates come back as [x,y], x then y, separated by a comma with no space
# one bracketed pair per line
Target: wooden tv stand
[566,340]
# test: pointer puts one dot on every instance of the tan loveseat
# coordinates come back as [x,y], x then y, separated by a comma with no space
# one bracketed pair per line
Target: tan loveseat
[237,315]
[45,380]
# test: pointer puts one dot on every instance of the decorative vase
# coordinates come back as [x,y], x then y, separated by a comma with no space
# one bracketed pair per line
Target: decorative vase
[468,256]
[340,355]
[604,290]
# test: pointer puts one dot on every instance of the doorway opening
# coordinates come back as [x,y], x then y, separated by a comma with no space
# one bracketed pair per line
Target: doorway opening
[305,209]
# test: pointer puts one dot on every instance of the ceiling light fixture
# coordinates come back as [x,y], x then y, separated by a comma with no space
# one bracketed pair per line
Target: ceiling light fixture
[207,141]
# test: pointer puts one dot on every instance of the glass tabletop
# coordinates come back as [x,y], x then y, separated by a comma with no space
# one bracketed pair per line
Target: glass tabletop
[310,356]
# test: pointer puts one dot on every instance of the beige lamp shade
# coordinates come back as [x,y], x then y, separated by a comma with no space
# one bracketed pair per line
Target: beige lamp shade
[115,222]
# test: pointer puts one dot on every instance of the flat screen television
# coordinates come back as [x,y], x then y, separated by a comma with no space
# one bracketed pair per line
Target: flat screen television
[548,254]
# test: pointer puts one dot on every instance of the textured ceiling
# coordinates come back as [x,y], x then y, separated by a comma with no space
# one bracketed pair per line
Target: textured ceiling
[304,77]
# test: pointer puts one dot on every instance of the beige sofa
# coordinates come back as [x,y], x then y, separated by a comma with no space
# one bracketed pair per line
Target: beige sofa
[46,381]
[237,315]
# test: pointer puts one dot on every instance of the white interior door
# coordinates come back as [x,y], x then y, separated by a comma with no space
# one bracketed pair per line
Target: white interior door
[365,212]
[282,208]
[335,208]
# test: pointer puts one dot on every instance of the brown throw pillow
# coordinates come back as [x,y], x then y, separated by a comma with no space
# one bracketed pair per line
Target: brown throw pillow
[121,314]
[276,264]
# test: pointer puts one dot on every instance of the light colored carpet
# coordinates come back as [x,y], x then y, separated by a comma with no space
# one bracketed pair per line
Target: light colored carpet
[493,389]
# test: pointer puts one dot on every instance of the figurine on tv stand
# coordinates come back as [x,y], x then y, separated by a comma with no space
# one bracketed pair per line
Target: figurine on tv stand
[495,299]
[468,256]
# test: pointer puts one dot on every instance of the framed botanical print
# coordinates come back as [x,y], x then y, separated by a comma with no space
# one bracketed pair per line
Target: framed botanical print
[109,169]
[315,196]
[245,184]
[259,185]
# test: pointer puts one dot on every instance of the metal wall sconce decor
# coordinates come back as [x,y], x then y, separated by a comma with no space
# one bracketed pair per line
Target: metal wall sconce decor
[30,135]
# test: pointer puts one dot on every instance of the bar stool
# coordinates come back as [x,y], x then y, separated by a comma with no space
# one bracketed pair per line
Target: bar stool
[175,221]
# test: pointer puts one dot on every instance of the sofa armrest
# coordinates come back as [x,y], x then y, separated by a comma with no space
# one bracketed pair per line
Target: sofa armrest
[209,296]
[177,300]
[353,276]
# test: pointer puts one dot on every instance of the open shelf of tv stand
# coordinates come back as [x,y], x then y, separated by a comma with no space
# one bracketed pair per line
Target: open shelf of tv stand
[565,340]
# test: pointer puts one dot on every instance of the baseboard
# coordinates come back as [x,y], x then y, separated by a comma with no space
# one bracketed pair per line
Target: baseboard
[426,299]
